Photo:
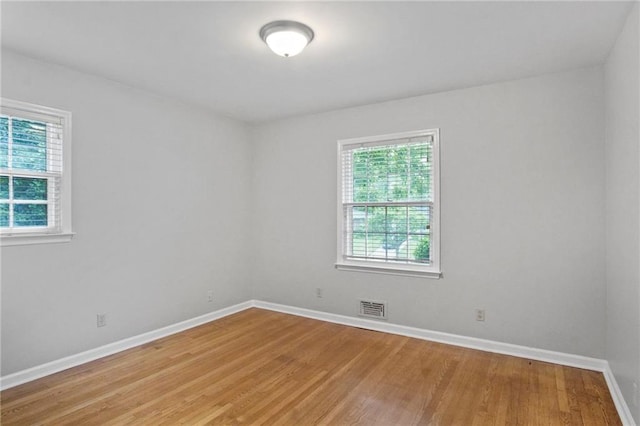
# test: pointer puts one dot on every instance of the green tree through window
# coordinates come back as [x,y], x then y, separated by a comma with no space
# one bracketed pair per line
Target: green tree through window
[23,152]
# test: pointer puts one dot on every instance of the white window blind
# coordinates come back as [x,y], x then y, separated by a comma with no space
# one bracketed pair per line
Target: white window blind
[388,210]
[31,168]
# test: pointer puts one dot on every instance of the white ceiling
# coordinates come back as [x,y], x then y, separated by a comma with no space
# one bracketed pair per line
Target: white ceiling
[210,54]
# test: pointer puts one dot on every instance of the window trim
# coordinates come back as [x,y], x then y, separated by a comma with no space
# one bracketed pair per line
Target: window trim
[388,267]
[38,235]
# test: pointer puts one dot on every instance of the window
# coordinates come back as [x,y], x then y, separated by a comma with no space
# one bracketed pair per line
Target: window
[35,196]
[388,205]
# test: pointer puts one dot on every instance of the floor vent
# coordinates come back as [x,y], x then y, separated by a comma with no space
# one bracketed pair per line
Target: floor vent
[373,309]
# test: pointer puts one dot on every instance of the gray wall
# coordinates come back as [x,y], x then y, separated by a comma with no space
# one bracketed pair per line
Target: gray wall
[160,207]
[623,210]
[522,212]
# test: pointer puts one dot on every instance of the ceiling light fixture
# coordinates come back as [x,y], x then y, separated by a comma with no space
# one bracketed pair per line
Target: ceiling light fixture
[286,38]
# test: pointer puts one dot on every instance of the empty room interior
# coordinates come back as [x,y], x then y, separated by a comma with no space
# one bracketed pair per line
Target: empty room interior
[298,213]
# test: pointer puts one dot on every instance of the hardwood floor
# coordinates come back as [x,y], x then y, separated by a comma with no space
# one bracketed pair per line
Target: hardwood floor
[262,367]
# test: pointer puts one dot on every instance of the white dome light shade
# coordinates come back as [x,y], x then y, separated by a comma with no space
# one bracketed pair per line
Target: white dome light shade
[286,38]
[286,43]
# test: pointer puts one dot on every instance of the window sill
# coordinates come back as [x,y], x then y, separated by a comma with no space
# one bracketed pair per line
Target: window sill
[389,270]
[28,239]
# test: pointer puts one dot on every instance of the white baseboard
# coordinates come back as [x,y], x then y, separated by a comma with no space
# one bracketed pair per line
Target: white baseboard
[440,337]
[39,371]
[570,360]
[618,399]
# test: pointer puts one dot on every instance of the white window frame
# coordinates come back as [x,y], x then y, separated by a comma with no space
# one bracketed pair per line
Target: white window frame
[63,232]
[390,267]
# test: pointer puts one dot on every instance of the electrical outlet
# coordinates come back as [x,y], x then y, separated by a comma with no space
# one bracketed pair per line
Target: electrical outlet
[479,314]
[101,320]
[319,293]
[210,296]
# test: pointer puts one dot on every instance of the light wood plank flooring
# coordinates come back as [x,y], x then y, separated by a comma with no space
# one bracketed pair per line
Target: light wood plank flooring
[262,367]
